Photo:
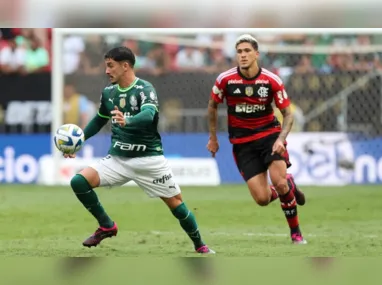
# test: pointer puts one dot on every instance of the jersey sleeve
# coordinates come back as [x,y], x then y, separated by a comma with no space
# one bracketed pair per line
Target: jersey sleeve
[102,110]
[279,94]
[149,97]
[217,92]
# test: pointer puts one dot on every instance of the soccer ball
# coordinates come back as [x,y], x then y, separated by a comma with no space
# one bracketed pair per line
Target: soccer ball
[69,138]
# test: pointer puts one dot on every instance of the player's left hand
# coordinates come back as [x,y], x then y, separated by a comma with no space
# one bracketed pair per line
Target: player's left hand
[118,117]
[278,147]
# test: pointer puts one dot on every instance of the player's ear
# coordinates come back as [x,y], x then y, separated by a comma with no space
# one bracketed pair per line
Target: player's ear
[126,65]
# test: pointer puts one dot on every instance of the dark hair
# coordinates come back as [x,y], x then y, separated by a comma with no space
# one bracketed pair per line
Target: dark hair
[121,54]
[247,39]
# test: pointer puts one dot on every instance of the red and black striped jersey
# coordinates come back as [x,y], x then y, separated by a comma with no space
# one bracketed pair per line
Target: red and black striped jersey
[249,103]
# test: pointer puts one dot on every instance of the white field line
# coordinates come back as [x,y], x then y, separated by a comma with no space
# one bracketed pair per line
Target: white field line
[220,233]
[259,234]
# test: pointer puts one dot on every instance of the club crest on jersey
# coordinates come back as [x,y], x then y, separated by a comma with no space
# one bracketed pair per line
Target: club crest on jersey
[263,92]
[122,102]
[249,90]
[133,101]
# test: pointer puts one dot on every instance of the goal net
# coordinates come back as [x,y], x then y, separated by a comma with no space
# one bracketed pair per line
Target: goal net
[333,78]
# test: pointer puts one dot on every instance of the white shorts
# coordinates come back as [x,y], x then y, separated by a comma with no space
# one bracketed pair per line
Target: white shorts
[152,174]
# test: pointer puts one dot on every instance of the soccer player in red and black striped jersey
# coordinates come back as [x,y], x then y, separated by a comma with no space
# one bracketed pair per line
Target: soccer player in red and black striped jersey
[259,140]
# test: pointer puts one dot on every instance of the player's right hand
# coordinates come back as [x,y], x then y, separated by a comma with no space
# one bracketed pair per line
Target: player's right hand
[213,146]
[69,155]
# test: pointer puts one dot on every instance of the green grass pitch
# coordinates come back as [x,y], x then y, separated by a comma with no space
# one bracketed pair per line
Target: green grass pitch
[50,221]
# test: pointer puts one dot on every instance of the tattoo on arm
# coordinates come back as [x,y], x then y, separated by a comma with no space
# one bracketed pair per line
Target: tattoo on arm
[212,117]
[287,123]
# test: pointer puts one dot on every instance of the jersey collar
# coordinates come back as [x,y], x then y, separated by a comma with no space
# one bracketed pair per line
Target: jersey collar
[129,87]
[246,78]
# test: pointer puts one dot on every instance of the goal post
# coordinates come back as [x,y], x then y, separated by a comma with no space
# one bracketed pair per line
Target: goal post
[318,93]
[57,102]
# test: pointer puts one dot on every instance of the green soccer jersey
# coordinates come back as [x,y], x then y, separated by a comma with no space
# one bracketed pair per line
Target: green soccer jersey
[132,140]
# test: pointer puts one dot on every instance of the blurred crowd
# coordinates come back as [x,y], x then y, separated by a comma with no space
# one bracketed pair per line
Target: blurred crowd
[158,55]
[191,14]
[216,53]
[25,51]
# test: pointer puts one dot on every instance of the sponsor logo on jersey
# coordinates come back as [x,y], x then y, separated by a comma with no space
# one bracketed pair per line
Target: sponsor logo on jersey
[127,115]
[138,86]
[261,81]
[249,90]
[133,101]
[129,147]
[247,108]
[122,95]
[235,81]
[163,179]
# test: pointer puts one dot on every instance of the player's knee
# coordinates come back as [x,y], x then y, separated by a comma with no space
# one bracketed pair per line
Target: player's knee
[260,195]
[79,184]
[262,201]
[281,186]
[173,202]
[74,181]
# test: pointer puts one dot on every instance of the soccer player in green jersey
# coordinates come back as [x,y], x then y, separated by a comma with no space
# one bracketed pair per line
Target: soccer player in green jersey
[135,153]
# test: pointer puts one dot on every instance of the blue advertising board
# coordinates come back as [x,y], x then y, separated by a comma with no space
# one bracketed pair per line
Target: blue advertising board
[20,155]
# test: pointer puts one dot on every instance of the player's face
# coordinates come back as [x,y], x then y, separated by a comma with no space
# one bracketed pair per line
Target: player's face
[115,70]
[246,55]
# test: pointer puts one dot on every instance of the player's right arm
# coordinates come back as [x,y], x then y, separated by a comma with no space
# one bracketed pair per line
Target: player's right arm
[99,120]
[96,124]
[216,98]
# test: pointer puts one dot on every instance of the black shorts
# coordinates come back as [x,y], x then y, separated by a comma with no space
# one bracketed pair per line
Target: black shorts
[254,157]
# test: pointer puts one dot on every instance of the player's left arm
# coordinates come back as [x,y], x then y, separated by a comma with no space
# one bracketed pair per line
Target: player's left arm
[144,117]
[288,120]
[149,107]
[283,104]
